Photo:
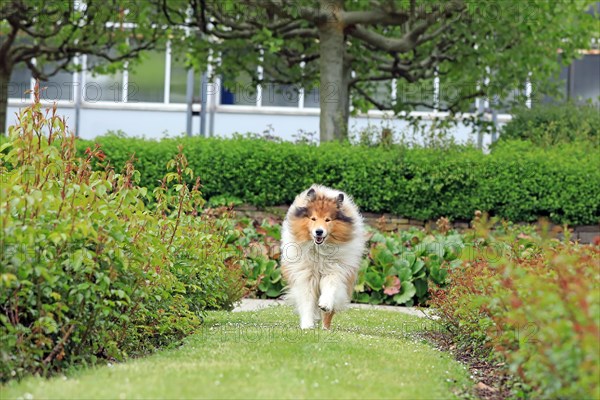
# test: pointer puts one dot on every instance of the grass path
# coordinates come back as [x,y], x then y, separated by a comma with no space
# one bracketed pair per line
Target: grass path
[262,354]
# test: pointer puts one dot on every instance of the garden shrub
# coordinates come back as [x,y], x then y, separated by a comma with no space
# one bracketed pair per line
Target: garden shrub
[550,124]
[532,303]
[517,181]
[87,270]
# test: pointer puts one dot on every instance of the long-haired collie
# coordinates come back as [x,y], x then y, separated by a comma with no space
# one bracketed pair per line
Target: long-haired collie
[322,243]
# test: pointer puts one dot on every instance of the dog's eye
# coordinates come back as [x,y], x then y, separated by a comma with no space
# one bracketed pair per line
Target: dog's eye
[327,220]
[313,218]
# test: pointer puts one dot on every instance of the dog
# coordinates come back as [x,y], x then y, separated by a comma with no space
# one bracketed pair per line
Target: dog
[322,244]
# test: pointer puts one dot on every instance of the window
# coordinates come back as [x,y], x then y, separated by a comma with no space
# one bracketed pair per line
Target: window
[59,86]
[101,87]
[146,81]
[586,83]
[579,81]
[421,93]
[20,82]
[179,82]
[239,91]
[273,94]
[311,97]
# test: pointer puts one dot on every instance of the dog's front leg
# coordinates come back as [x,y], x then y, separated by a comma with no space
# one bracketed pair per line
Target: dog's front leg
[304,294]
[306,309]
[333,293]
[328,288]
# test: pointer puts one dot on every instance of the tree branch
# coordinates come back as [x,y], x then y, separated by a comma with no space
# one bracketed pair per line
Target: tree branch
[301,32]
[38,74]
[443,28]
[7,43]
[374,17]
[379,105]
[403,45]
[308,14]
[371,78]
[411,39]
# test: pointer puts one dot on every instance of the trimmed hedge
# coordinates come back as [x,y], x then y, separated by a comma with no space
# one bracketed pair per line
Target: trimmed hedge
[517,181]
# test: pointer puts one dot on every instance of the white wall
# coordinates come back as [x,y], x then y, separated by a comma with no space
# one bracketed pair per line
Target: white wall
[157,120]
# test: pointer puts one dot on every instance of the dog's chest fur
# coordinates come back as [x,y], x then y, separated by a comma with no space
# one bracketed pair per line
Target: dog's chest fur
[323,259]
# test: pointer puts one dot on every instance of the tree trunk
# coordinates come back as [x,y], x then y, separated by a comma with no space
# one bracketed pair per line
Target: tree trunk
[346,76]
[5,73]
[333,95]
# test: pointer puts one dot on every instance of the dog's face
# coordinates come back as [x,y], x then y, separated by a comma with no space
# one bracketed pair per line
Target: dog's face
[322,220]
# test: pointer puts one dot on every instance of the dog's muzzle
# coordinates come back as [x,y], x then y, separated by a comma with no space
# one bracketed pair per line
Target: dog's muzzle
[319,236]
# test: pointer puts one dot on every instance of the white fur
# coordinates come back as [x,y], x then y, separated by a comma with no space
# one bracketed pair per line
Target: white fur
[318,274]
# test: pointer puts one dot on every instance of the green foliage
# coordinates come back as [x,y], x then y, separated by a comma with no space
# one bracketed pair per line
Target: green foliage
[87,270]
[520,40]
[546,125]
[260,245]
[517,181]
[400,266]
[53,33]
[533,303]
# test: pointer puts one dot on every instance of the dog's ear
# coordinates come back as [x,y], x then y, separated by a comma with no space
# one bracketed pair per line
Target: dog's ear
[312,195]
[340,200]
[301,212]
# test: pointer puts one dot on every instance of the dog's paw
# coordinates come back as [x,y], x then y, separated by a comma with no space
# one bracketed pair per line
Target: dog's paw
[326,306]
[307,325]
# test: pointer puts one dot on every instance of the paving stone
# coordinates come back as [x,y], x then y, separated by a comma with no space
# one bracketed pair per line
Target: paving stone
[259,304]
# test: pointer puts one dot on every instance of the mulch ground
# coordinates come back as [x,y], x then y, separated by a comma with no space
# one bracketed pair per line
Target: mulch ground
[491,379]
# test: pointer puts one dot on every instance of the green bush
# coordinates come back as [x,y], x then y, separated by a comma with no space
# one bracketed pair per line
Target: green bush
[532,304]
[87,271]
[550,124]
[517,181]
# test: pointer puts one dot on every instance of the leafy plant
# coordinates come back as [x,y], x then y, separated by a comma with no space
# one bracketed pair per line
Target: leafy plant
[87,270]
[532,303]
[259,242]
[400,266]
[263,277]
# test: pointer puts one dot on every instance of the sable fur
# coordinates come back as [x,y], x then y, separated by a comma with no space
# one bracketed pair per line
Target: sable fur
[321,277]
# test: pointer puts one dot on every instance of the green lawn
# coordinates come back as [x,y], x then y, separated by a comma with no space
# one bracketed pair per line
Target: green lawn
[369,354]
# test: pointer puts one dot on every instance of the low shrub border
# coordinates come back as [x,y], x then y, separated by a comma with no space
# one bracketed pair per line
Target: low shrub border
[549,124]
[534,308]
[517,181]
[88,271]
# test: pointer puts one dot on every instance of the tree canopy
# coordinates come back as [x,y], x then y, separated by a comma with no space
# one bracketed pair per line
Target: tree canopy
[360,54]
[349,48]
[47,35]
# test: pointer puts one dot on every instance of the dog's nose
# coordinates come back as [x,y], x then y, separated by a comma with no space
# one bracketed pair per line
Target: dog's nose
[319,232]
